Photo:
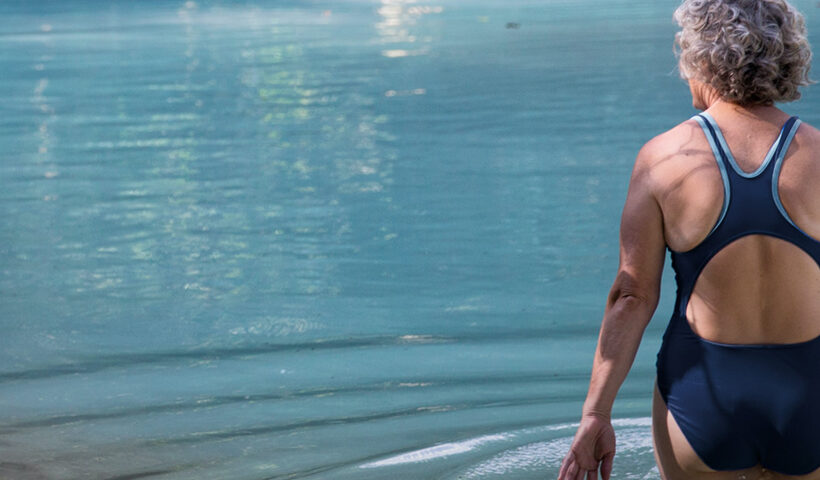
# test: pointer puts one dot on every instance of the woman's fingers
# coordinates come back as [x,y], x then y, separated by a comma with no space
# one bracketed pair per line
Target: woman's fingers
[581,474]
[571,470]
[564,465]
[562,475]
[606,466]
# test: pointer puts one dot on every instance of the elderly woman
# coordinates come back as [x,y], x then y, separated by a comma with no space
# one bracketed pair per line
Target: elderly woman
[732,193]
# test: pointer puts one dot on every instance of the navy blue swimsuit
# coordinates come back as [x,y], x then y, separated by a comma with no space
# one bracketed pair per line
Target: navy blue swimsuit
[743,405]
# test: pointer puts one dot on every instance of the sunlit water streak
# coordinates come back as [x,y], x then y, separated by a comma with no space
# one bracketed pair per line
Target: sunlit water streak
[358,239]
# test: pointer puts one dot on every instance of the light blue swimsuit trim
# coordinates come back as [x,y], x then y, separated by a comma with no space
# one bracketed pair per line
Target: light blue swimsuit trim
[732,158]
[778,164]
[725,176]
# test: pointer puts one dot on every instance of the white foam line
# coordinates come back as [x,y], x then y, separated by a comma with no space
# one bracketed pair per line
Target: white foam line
[454,448]
[633,438]
[437,451]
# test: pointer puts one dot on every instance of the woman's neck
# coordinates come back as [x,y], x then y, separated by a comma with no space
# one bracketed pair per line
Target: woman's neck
[722,108]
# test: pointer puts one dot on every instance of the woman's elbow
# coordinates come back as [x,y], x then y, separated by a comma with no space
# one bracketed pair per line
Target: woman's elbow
[630,293]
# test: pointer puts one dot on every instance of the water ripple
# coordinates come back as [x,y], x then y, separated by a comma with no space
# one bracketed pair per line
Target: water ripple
[102,362]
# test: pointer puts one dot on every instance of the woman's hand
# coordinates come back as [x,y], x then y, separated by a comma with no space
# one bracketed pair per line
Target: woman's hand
[593,447]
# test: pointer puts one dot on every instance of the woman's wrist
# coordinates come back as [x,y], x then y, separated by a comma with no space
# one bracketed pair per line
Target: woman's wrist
[604,414]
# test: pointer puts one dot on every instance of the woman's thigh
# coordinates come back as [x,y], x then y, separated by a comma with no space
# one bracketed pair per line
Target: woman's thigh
[678,461]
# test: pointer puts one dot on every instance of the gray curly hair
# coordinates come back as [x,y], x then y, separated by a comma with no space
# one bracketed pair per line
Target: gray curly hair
[752,52]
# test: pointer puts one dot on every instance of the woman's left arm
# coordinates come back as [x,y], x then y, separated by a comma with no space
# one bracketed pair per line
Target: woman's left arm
[631,302]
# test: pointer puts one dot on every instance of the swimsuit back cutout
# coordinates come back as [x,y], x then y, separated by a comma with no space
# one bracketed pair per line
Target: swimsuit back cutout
[742,405]
[751,205]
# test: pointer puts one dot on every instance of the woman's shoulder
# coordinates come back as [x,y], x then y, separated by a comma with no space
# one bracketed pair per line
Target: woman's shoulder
[684,151]
[804,153]
[687,141]
[808,134]
[683,142]
[680,155]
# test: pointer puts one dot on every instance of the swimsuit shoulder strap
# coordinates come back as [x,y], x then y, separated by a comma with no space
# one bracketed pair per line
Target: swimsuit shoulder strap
[722,162]
[724,155]
[716,141]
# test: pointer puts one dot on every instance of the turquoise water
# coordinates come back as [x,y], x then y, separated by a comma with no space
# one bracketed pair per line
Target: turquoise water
[336,240]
